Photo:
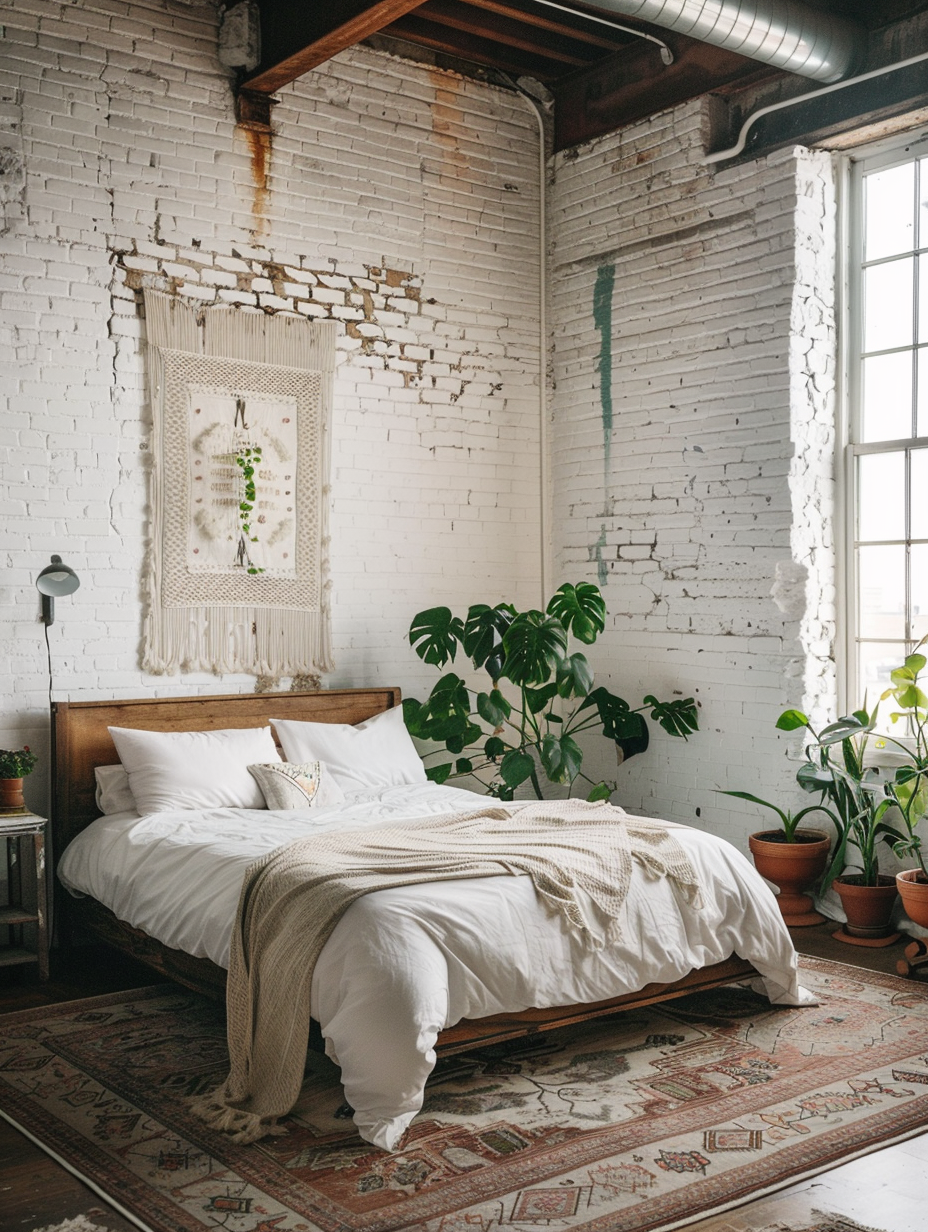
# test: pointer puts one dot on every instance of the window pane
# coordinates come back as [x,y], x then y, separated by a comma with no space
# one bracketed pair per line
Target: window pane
[919,591]
[881,591]
[922,427]
[888,305]
[923,298]
[919,494]
[881,496]
[889,200]
[874,663]
[887,396]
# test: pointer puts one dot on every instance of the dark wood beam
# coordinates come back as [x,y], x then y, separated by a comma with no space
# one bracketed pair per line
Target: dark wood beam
[636,83]
[297,38]
[415,29]
[500,30]
[537,19]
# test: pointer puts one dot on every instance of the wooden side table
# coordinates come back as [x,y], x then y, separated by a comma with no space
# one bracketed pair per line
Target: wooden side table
[26,911]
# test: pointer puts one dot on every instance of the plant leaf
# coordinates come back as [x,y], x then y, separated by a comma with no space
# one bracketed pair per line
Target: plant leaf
[483,635]
[493,707]
[534,645]
[746,795]
[849,725]
[679,717]
[537,699]
[561,757]
[620,723]
[790,720]
[515,768]
[574,676]
[494,748]
[602,791]
[438,774]
[463,765]
[459,741]
[435,634]
[581,610]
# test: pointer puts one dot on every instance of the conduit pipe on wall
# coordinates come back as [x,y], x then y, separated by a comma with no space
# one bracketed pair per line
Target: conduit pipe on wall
[783,33]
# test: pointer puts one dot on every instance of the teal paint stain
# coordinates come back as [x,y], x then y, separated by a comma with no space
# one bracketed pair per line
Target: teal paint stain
[602,319]
[596,553]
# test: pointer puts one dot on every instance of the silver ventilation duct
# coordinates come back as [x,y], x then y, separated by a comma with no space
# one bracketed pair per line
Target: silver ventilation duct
[783,33]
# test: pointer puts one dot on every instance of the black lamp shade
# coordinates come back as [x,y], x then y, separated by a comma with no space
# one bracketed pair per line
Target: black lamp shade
[55,580]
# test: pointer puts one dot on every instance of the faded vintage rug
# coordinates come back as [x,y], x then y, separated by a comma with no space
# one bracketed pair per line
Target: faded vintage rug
[642,1121]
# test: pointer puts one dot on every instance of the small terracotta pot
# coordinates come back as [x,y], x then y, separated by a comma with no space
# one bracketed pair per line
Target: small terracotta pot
[11,794]
[868,908]
[793,867]
[914,890]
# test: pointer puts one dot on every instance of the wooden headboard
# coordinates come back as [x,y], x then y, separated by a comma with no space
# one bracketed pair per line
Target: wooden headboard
[81,741]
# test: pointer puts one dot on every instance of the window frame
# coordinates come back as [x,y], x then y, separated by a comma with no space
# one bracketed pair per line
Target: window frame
[852,169]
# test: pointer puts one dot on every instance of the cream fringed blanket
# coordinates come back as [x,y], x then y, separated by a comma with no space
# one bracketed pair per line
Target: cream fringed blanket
[293,898]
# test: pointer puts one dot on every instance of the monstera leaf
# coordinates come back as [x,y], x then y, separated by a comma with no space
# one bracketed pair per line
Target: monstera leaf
[561,757]
[620,722]
[679,717]
[483,635]
[580,609]
[534,645]
[435,634]
[574,676]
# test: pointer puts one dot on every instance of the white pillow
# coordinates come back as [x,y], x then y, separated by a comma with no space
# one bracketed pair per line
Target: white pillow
[377,753]
[114,795]
[290,785]
[194,769]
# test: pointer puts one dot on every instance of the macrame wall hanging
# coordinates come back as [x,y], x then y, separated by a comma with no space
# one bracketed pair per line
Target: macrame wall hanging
[237,579]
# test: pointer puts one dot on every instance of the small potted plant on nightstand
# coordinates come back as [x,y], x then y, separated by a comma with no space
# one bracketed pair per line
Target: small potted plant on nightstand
[14,764]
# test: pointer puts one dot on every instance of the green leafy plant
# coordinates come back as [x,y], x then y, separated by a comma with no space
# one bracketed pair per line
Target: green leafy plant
[16,763]
[247,461]
[909,784]
[539,699]
[862,798]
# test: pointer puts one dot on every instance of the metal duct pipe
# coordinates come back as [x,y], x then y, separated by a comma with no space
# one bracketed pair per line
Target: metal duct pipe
[783,33]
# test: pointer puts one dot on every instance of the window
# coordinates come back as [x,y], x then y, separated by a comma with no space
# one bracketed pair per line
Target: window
[888,414]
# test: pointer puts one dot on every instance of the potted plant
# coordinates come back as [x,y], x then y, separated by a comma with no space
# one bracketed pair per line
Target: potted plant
[793,858]
[539,698]
[909,784]
[14,764]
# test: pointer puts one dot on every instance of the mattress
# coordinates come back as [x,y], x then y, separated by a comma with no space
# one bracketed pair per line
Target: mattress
[418,958]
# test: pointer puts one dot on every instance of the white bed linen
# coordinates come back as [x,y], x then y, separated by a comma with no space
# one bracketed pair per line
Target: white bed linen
[404,963]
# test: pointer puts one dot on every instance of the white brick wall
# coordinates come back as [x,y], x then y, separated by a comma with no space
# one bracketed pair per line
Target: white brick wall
[400,200]
[719,475]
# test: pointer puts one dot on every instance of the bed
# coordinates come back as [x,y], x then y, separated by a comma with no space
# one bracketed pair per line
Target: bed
[744,937]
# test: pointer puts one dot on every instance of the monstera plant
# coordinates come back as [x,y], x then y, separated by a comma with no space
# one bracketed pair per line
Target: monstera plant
[538,696]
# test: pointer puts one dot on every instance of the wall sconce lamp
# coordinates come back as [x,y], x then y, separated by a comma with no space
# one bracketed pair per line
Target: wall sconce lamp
[55,579]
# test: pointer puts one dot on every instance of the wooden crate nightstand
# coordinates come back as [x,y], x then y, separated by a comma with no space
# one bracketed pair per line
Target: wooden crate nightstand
[24,916]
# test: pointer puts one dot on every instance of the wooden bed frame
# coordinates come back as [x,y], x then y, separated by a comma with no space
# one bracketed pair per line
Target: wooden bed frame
[81,742]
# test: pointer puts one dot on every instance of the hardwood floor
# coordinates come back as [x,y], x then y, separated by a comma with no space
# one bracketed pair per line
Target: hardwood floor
[887,1190]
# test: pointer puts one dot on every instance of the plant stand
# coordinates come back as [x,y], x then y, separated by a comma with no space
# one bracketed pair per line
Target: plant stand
[870,943]
[915,961]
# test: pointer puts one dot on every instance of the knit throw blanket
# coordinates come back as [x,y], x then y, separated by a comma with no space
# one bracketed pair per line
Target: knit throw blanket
[293,898]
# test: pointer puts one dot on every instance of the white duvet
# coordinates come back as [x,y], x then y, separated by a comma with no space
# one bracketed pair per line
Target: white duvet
[404,963]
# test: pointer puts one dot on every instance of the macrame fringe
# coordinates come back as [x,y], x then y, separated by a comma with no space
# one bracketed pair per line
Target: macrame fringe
[260,641]
[281,341]
[242,1127]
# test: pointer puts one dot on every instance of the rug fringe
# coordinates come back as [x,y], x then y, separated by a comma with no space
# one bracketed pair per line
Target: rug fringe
[242,1127]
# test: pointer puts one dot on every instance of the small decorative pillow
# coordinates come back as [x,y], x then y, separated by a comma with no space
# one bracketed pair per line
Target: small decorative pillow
[289,785]
[114,795]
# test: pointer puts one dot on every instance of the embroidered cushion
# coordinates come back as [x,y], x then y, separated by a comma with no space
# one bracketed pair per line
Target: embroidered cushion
[296,785]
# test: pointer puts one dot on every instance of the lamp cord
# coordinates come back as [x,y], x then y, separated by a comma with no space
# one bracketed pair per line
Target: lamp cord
[48,651]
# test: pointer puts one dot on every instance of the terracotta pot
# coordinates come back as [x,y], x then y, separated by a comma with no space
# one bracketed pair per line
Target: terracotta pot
[11,794]
[914,890]
[793,867]
[868,908]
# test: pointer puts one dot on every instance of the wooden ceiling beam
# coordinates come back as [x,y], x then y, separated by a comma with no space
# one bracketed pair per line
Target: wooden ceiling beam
[537,19]
[496,31]
[635,83]
[282,28]
[476,51]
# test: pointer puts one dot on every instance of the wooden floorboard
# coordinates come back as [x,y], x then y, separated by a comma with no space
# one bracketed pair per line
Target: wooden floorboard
[887,1190]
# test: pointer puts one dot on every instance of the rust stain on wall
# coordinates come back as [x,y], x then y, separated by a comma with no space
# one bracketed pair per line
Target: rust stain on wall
[259,150]
[447,121]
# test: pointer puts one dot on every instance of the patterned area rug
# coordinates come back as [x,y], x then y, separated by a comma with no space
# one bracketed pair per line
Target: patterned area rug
[638,1122]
